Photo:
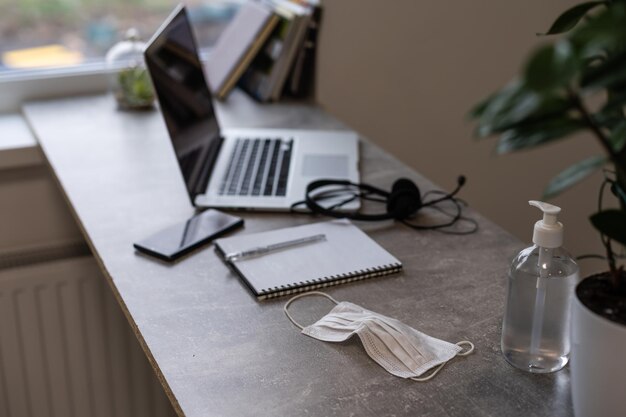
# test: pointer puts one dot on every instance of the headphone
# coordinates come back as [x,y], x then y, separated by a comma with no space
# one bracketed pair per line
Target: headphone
[402,202]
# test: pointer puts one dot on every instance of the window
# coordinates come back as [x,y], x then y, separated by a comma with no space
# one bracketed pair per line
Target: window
[52,48]
[47,34]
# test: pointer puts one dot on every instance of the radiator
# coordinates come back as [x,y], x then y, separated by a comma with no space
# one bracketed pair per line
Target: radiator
[66,349]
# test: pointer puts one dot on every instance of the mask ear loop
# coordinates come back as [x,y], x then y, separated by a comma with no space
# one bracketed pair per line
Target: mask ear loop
[306,294]
[438,368]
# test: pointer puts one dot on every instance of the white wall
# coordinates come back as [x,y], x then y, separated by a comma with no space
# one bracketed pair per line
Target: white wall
[406,72]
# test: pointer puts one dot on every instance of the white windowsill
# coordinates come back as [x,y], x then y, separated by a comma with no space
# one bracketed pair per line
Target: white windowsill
[18,146]
[23,86]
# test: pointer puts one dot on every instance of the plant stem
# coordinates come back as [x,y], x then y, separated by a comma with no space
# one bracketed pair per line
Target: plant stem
[593,126]
[615,158]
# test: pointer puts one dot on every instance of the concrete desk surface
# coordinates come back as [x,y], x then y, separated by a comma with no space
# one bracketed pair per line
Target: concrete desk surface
[220,352]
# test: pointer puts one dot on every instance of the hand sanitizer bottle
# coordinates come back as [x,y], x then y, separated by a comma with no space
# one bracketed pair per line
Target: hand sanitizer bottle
[535,330]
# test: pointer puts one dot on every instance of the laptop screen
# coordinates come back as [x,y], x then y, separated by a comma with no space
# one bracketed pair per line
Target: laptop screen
[178,78]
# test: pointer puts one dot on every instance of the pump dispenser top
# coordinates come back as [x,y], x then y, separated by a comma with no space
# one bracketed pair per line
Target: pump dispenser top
[548,233]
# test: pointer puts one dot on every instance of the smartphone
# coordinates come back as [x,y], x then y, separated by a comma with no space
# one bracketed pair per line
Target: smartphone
[175,241]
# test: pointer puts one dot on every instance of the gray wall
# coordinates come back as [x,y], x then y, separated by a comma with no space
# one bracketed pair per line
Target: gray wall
[405,73]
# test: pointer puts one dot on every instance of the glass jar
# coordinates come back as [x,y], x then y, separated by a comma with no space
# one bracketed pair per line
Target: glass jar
[131,83]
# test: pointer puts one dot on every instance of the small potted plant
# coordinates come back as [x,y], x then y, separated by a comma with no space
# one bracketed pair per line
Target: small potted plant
[130,80]
[575,84]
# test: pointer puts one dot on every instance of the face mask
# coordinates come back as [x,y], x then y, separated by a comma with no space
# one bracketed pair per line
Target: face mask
[400,349]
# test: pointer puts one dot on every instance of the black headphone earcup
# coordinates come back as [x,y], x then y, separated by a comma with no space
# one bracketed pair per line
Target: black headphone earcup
[404,200]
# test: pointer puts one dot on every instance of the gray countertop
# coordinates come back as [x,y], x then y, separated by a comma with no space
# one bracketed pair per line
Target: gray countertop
[216,349]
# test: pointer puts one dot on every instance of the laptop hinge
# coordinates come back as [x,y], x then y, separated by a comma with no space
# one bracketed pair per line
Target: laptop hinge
[207,167]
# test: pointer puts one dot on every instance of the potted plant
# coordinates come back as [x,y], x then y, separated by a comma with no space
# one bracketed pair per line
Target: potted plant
[130,80]
[575,84]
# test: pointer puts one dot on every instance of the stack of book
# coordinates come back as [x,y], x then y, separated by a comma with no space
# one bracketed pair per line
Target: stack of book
[268,49]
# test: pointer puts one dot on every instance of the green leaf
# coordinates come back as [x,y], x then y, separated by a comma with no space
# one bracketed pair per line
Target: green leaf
[498,104]
[478,110]
[616,99]
[611,223]
[501,100]
[573,175]
[608,119]
[618,192]
[533,134]
[512,107]
[551,66]
[610,72]
[569,18]
[618,137]
[535,108]
[528,108]
[603,32]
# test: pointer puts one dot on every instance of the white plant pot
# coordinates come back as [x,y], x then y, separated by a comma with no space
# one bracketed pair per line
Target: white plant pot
[598,367]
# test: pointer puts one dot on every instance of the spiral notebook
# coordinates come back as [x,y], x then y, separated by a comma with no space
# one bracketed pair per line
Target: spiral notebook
[346,254]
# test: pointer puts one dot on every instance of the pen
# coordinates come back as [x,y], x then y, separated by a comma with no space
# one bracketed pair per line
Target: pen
[262,250]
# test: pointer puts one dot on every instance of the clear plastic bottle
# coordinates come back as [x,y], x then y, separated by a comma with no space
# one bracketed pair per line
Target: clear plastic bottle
[535,330]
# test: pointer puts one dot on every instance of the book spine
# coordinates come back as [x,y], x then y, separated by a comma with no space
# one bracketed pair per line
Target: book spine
[330,281]
[287,31]
[251,81]
[295,42]
[302,78]
[248,57]
[255,79]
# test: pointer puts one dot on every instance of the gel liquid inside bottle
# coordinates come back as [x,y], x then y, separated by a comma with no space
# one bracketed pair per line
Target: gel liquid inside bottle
[535,330]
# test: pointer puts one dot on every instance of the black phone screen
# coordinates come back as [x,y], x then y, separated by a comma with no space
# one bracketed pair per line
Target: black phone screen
[175,241]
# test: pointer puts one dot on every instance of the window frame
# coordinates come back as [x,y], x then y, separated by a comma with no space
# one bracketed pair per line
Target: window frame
[24,85]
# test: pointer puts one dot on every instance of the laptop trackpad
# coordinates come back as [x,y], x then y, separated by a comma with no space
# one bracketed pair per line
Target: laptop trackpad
[319,165]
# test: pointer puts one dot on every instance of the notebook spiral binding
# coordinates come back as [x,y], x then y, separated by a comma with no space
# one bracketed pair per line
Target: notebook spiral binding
[329,281]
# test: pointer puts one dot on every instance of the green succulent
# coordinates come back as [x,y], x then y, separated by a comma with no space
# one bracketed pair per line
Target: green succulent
[134,88]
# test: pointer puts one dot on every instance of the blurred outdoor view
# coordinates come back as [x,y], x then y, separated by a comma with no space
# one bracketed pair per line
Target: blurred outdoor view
[60,33]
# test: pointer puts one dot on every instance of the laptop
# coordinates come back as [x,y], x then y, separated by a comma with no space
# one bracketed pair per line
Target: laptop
[265,169]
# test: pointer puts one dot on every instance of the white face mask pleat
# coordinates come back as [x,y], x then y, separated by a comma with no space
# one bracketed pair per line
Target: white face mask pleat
[400,349]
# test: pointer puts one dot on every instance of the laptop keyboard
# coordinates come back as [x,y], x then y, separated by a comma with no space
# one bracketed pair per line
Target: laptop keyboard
[258,167]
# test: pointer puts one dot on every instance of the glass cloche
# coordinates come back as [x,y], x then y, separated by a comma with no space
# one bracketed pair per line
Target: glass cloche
[130,80]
